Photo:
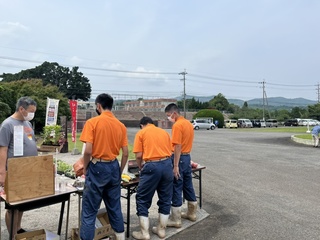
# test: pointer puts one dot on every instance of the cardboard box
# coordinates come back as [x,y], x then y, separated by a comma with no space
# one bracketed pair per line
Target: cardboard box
[37,235]
[105,230]
[102,230]
[29,177]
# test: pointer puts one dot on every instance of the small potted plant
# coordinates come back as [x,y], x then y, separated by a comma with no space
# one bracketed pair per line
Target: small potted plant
[51,135]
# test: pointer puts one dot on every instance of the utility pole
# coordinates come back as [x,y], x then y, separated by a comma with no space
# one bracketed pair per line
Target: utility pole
[318,91]
[184,91]
[263,95]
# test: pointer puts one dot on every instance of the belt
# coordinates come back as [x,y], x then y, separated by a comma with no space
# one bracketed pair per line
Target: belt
[185,153]
[95,160]
[156,160]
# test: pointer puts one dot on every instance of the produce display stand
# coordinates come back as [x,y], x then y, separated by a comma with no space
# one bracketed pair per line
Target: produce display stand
[30,204]
[131,188]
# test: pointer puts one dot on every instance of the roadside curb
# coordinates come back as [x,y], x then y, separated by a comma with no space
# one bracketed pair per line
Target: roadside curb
[302,141]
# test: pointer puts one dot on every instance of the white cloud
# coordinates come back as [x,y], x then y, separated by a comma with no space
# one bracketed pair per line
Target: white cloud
[12,29]
[75,61]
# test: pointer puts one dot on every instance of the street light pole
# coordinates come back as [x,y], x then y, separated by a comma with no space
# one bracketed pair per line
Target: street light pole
[184,91]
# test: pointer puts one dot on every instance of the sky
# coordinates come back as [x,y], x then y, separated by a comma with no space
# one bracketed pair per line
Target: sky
[140,48]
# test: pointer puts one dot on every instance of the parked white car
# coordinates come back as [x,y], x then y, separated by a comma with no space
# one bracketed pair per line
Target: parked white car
[306,122]
[203,124]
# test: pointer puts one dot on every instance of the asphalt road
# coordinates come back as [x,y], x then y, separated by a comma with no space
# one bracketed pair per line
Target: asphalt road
[257,185]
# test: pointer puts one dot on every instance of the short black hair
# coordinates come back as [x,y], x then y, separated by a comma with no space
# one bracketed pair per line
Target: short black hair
[25,102]
[145,120]
[105,100]
[172,107]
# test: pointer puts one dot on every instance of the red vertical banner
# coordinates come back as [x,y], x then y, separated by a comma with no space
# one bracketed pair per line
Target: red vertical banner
[73,108]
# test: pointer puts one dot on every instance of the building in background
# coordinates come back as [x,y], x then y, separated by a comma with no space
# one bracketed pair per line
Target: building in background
[148,105]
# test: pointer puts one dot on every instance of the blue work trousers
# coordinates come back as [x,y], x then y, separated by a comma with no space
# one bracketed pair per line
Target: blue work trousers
[184,183]
[155,176]
[103,181]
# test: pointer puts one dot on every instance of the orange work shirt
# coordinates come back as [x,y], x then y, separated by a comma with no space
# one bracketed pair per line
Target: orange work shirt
[107,135]
[153,142]
[182,133]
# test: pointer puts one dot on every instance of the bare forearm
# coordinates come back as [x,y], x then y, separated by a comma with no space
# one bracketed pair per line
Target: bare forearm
[177,153]
[86,159]
[124,158]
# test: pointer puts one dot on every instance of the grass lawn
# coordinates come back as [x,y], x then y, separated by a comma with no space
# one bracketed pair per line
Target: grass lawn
[299,132]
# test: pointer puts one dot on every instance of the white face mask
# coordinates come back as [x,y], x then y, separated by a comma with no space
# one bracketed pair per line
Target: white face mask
[171,119]
[29,117]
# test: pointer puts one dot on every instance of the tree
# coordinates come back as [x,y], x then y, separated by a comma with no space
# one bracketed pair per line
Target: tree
[219,102]
[211,113]
[297,112]
[282,115]
[314,111]
[233,108]
[245,106]
[5,111]
[72,83]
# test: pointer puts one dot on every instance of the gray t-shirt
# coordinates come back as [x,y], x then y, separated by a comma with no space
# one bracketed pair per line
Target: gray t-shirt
[6,137]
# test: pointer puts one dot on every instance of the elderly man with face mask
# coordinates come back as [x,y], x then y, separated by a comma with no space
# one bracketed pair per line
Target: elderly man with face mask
[25,110]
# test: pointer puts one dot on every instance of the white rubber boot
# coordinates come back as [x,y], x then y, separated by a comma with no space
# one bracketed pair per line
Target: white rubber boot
[144,233]
[160,230]
[175,218]
[192,212]
[120,236]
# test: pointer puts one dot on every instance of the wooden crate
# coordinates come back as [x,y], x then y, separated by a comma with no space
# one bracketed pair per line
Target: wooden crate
[29,177]
[34,235]
[49,148]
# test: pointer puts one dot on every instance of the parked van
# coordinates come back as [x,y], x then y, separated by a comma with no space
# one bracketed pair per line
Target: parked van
[230,123]
[244,123]
[272,123]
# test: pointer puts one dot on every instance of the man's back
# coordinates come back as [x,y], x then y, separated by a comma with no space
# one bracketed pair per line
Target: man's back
[154,142]
[183,133]
[107,135]
[316,130]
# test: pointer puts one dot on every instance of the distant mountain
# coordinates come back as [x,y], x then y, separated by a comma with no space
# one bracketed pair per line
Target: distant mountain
[258,102]
[281,101]
[197,98]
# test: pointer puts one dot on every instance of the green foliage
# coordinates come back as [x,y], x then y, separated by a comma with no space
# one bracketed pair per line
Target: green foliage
[219,102]
[5,111]
[314,111]
[211,113]
[51,134]
[282,115]
[245,105]
[193,104]
[72,83]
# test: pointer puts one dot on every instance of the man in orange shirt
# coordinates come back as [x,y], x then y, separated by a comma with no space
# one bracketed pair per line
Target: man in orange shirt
[104,136]
[152,145]
[182,139]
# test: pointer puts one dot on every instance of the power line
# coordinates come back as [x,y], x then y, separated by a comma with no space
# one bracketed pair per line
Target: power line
[90,68]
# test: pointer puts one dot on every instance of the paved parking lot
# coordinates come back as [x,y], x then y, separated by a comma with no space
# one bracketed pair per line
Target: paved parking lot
[257,185]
